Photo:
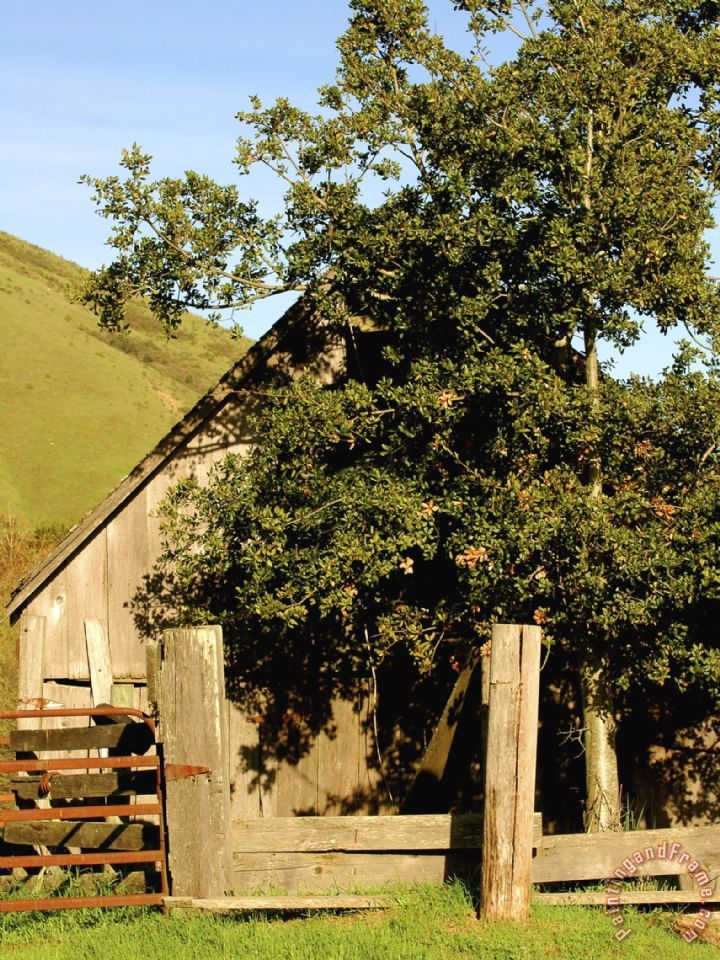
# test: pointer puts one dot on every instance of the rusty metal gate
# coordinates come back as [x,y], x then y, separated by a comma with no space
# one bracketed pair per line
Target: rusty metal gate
[79,779]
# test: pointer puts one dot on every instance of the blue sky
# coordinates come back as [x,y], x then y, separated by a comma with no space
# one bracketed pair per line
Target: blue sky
[81,79]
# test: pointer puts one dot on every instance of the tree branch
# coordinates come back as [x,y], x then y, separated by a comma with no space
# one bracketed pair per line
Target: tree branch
[213,271]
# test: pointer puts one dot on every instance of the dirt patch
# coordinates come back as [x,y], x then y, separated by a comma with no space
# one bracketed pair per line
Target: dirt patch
[711,933]
[170,402]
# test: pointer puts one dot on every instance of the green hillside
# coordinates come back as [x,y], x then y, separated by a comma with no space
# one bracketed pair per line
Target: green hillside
[79,406]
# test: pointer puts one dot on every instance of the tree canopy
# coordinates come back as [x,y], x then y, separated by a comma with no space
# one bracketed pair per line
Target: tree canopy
[524,213]
[422,512]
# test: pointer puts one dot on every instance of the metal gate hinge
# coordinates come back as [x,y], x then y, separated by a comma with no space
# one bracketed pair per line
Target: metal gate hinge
[180,771]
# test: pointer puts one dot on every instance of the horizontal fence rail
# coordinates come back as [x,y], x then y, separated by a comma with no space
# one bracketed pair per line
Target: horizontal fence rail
[322,854]
[317,854]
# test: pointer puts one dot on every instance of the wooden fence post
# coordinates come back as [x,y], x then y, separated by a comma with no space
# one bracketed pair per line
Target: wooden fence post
[192,730]
[510,772]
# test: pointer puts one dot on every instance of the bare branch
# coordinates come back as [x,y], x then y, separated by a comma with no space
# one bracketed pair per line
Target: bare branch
[710,450]
[528,19]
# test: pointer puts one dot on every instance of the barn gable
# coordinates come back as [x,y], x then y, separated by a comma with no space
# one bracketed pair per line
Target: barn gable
[216,425]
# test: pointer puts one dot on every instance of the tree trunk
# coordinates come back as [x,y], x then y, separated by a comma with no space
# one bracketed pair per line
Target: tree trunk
[601,767]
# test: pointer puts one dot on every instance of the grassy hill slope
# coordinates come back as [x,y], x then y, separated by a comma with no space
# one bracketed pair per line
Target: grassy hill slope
[79,407]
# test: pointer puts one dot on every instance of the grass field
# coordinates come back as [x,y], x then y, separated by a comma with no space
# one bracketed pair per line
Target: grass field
[426,923]
[79,406]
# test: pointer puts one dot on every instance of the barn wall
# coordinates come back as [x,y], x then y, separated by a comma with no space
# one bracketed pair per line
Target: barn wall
[99,582]
[337,775]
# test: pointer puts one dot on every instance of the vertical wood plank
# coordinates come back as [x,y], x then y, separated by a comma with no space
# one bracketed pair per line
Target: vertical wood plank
[86,600]
[141,694]
[296,785]
[243,746]
[526,767]
[51,604]
[153,661]
[484,700]
[365,784]
[127,550]
[268,770]
[155,494]
[98,657]
[31,645]
[500,773]
[124,695]
[193,731]
[99,666]
[510,772]
[372,783]
[338,763]
[73,697]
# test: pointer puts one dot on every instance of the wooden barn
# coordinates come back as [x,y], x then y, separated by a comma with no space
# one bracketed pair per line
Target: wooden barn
[78,604]
[85,588]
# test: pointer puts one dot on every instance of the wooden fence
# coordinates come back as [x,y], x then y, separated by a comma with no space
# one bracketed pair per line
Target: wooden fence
[330,854]
[212,855]
[322,854]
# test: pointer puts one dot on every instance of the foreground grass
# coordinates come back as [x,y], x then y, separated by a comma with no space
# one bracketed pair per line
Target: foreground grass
[425,923]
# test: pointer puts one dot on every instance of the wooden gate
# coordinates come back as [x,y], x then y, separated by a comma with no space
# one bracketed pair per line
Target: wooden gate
[87,807]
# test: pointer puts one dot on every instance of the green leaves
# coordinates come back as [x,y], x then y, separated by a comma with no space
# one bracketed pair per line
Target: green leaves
[487,219]
[419,512]
[177,243]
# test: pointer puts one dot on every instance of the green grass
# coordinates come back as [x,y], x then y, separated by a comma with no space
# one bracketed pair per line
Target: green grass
[425,923]
[80,407]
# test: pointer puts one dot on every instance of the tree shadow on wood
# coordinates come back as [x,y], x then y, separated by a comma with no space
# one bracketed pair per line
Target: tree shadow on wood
[383,738]
[289,686]
[670,749]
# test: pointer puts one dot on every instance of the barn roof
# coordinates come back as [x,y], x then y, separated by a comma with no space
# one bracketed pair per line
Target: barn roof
[255,358]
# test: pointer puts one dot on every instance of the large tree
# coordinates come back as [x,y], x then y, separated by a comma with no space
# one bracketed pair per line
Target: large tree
[530,211]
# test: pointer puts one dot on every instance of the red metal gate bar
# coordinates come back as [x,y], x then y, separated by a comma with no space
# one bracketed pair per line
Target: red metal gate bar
[83,859]
[80,813]
[78,903]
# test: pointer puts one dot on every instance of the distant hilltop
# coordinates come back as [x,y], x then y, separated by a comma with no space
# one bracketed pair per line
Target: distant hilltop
[79,406]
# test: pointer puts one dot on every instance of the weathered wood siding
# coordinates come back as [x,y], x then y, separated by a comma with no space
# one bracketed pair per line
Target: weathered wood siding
[99,582]
[336,776]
